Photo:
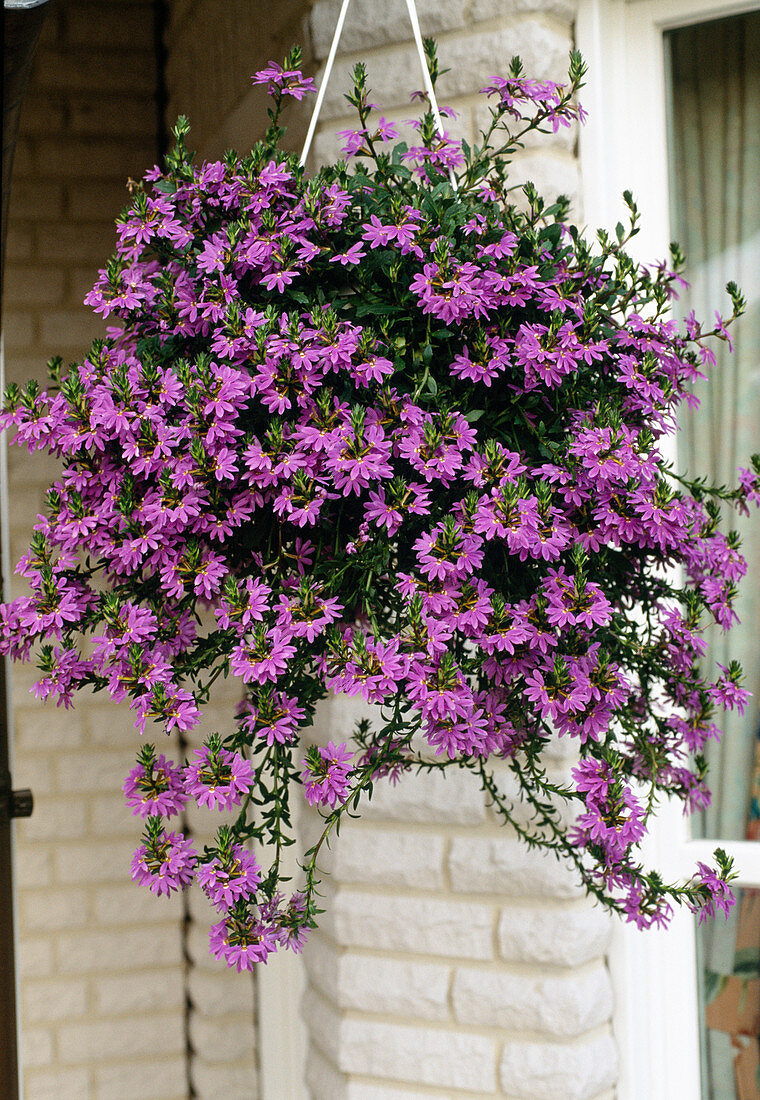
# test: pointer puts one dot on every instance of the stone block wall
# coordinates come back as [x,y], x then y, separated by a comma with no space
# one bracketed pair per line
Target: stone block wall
[451,961]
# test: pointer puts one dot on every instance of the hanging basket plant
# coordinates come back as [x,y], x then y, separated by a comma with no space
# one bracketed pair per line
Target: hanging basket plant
[396,430]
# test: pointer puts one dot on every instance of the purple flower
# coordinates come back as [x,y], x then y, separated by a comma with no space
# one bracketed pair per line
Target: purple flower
[231,875]
[326,774]
[218,778]
[727,692]
[155,785]
[242,941]
[286,82]
[713,894]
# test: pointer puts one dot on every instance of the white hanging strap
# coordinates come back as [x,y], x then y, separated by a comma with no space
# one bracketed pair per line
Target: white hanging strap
[328,69]
[323,85]
[426,78]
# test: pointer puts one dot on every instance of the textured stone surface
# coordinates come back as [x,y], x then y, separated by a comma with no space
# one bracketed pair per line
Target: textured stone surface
[504,866]
[546,1071]
[369,24]
[389,857]
[471,57]
[431,926]
[377,984]
[559,936]
[558,1006]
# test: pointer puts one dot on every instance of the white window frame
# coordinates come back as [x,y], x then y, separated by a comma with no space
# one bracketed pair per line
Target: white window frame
[624,146]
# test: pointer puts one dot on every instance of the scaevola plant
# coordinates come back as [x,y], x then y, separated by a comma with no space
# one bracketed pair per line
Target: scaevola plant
[366,432]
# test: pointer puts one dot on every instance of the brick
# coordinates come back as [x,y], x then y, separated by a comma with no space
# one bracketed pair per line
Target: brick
[214,993]
[22,160]
[235,1082]
[49,910]
[323,1080]
[104,770]
[96,71]
[497,9]
[41,285]
[102,200]
[509,787]
[134,994]
[148,1079]
[60,1084]
[33,865]
[559,1006]
[452,798]
[93,861]
[27,508]
[33,200]
[423,926]
[387,857]
[81,282]
[34,958]
[19,329]
[545,1071]
[75,244]
[133,1038]
[561,937]
[416,1055]
[552,174]
[363,1091]
[222,1038]
[42,114]
[56,819]
[111,817]
[88,158]
[197,949]
[505,866]
[125,904]
[94,25]
[24,468]
[112,725]
[122,949]
[377,984]
[70,329]
[44,726]
[46,1001]
[472,57]
[36,1046]
[368,25]
[107,116]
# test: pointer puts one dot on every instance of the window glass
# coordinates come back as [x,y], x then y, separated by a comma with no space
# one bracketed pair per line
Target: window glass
[714,143]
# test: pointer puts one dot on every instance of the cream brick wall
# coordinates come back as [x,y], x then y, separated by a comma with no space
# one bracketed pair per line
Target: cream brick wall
[103,972]
[213,50]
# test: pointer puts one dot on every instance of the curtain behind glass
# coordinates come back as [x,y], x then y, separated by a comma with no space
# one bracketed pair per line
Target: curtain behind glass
[715,189]
[714,142]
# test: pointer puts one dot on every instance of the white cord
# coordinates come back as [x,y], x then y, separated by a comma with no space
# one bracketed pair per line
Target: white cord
[426,76]
[328,69]
[323,85]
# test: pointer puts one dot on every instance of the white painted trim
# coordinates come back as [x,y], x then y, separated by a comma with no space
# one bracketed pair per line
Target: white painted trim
[624,146]
[280,1029]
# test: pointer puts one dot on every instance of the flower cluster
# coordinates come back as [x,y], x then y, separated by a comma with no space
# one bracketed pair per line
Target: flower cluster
[373,434]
